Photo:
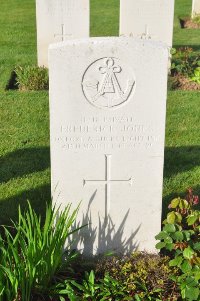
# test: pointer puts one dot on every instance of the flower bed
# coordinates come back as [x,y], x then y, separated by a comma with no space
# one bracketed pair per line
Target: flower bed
[34,265]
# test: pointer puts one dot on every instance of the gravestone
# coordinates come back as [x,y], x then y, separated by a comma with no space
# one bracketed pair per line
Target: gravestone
[195,8]
[107,121]
[147,19]
[59,20]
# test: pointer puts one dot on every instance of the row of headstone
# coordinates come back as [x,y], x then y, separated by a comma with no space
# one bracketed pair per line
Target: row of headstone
[59,20]
[107,124]
[195,8]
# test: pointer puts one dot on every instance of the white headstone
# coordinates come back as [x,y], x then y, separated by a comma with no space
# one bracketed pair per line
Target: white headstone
[147,19]
[195,8]
[59,20]
[107,120]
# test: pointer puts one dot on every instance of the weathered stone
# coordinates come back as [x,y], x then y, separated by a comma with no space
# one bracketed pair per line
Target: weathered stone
[107,119]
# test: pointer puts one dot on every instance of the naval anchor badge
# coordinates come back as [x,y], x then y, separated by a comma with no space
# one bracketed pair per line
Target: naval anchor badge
[106,84]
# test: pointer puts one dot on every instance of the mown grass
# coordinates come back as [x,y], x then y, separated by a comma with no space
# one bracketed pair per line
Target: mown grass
[185,37]
[24,147]
[104,18]
[182,150]
[17,36]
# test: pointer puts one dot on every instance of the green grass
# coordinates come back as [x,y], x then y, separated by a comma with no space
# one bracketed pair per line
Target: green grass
[17,36]
[24,147]
[182,151]
[185,37]
[104,18]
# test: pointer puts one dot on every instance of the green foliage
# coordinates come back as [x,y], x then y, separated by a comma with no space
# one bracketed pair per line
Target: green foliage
[88,289]
[196,75]
[184,61]
[139,276]
[32,258]
[113,289]
[31,78]
[180,237]
[102,289]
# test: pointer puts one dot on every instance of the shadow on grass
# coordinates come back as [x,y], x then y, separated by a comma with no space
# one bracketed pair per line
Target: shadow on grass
[177,161]
[38,198]
[12,82]
[180,159]
[23,162]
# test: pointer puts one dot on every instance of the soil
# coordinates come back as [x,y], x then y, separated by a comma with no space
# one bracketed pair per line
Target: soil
[180,82]
[189,23]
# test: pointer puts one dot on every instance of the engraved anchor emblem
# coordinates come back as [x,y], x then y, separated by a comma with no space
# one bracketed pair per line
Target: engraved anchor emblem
[107,91]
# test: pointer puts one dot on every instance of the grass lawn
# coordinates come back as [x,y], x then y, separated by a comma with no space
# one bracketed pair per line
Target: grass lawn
[24,148]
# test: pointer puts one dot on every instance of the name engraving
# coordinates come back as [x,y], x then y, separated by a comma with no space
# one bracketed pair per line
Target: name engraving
[106,133]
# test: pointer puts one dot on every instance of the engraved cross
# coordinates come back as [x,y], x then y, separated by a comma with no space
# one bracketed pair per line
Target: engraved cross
[62,34]
[107,182]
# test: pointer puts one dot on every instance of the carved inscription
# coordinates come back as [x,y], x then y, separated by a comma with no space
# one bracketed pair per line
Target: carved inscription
[106,133]
[107,84]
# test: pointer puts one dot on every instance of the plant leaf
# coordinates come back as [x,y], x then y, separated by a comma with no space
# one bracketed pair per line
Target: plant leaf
[170,228]
[161,235]
[171,217]
[188,253]
[175,203]
[160,245]
[176,261]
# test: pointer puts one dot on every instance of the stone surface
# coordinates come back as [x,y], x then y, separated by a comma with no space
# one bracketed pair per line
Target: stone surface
[59,20]
[148,19]
[195,8]
[107,120]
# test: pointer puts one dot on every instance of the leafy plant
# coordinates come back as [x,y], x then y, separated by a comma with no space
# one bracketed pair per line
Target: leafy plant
[88,288]
[105,289]
[139,276]
[196,76]
[184,61]
[33,257]
[180,237]
[112,289]
[32,78]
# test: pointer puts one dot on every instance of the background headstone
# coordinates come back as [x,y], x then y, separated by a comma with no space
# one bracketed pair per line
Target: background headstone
[58,20]
[148,19]
[107,121]
[195,8]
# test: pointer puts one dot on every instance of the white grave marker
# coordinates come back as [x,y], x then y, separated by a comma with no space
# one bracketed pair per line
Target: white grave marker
[59,20]
[150,19]
[195,8]
[107,119]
